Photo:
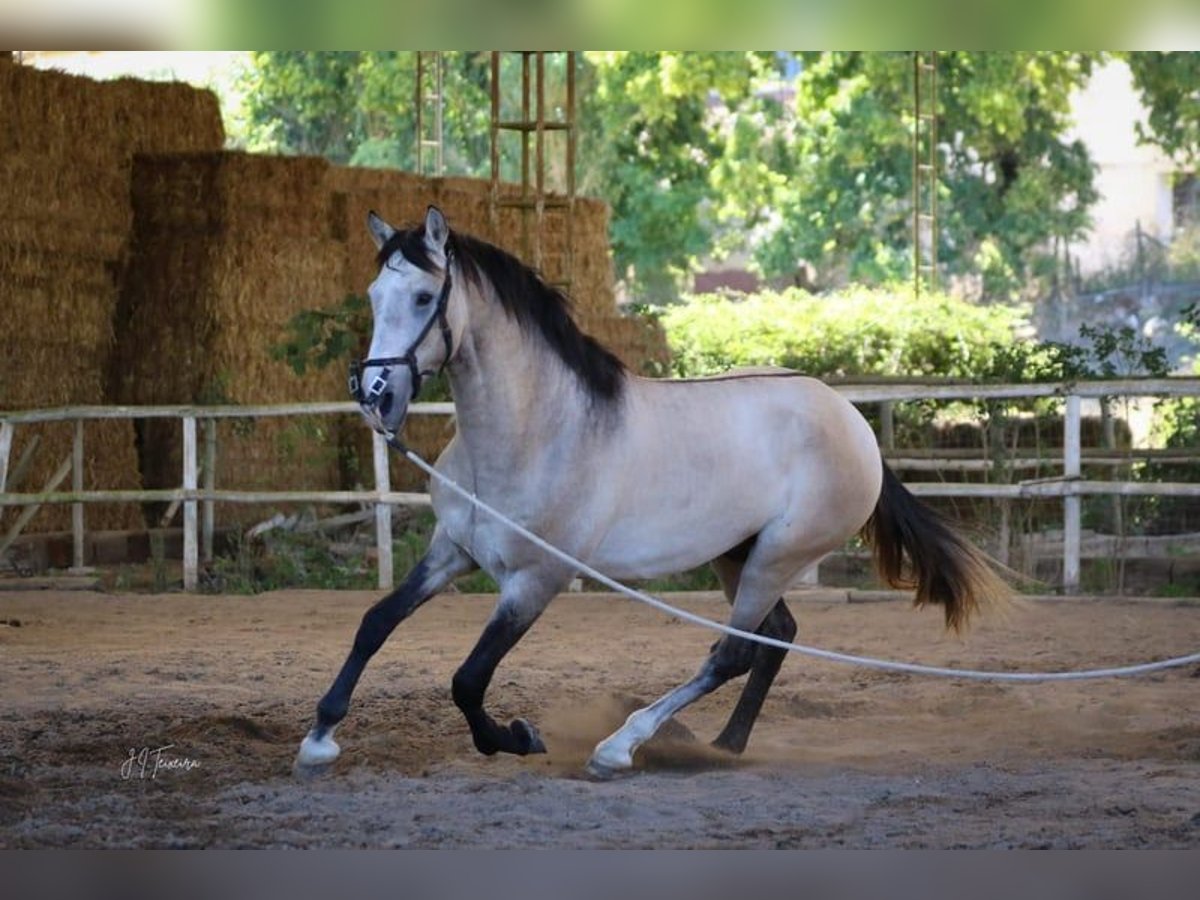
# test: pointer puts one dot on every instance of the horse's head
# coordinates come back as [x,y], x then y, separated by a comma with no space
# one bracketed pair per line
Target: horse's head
[411,305]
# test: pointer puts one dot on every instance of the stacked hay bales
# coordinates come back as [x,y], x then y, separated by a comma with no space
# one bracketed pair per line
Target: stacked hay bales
[65,166]
[228,248]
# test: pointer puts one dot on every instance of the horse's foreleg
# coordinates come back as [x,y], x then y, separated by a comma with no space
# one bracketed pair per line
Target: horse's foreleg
[444,562]
[512,617]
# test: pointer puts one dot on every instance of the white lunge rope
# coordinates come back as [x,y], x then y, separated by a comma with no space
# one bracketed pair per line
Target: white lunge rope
[866,661]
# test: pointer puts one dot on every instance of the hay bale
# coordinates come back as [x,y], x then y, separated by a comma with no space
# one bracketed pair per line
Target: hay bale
[227,248]
[71,117]
[639,342]
[400,197]
[65,170]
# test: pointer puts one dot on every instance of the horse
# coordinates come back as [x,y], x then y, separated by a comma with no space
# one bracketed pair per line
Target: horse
[758,473]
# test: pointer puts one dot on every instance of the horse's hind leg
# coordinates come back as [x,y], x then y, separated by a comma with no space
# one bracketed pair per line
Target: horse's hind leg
[780,625]
[770,567]
[767,660]
[443,562]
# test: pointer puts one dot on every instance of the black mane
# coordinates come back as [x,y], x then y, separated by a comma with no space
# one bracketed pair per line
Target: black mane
[536,306]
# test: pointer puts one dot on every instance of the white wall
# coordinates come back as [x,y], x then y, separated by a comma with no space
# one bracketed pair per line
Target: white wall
[1133,179]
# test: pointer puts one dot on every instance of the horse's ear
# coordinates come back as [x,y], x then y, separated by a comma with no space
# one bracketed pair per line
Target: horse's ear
[380,230]
[437,232]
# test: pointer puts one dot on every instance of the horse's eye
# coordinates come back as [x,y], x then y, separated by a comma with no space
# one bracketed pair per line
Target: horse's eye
[424,299]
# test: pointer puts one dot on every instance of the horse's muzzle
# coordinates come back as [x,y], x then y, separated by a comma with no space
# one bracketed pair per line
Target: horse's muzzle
[380,397]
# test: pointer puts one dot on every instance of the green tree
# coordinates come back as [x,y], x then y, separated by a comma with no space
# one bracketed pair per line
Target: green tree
[1170,87]
[358,107]
[1008,180]
[649,149]
[698,153]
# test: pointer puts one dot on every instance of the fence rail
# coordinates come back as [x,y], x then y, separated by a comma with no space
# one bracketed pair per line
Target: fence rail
[198,501]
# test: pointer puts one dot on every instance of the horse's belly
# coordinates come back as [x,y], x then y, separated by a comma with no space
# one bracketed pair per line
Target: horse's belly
[647,543]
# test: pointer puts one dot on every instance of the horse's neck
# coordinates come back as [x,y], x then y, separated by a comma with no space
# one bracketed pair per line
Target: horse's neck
[511,392]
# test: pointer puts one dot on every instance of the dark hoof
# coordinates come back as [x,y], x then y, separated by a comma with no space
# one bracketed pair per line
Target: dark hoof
[726,746]
[528,739]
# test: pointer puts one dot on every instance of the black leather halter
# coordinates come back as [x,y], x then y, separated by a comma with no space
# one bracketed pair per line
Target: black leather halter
[368,395]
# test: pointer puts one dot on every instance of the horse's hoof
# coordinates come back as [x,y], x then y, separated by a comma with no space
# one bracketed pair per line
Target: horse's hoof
[598,771]
[316,754]
[524,731]
[606,765]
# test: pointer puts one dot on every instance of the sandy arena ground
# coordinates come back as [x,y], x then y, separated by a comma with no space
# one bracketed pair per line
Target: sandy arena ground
[840,757]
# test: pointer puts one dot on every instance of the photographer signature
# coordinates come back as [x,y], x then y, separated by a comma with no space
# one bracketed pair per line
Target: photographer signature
[147,762]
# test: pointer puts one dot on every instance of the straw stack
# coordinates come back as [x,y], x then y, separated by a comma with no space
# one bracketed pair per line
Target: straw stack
[228,247]
[65,162]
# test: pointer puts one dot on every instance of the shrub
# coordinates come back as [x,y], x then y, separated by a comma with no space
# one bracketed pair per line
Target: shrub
[858,331]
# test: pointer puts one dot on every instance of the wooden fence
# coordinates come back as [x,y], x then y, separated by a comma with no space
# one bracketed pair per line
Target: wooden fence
[198,499]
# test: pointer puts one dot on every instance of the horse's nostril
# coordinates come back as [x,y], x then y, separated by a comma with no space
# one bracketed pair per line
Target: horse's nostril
[385,402]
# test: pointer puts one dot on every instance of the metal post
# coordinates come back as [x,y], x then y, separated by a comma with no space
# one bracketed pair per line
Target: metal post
[924,170]
[1072,452]
[526,249]
[540,175]
[568,276]
[494,206]
[426,58]
[191,566]
[77,523]
[383,514]
[535,122]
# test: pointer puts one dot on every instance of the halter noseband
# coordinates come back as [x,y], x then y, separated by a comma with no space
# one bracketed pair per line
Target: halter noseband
[369,397]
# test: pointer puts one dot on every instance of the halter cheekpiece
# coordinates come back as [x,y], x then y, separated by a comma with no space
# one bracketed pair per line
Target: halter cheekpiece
[368,395]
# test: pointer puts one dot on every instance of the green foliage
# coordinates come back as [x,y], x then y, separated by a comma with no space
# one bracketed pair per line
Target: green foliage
[337,334]
[1168,83]
[1008,182]
[318,337]
[859,331]
[702,153]
[359,107]
[283,559]
[648,147]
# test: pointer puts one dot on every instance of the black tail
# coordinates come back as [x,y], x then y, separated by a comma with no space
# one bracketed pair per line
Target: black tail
[942,566]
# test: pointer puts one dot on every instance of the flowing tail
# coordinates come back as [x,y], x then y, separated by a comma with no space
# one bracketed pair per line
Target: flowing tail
[942,566]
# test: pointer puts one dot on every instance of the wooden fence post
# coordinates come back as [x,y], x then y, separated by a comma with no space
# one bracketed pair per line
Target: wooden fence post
[383,513]
[887,425]
[77,523]
[6,438]
[1071,501]
[191,568]
[210,482]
